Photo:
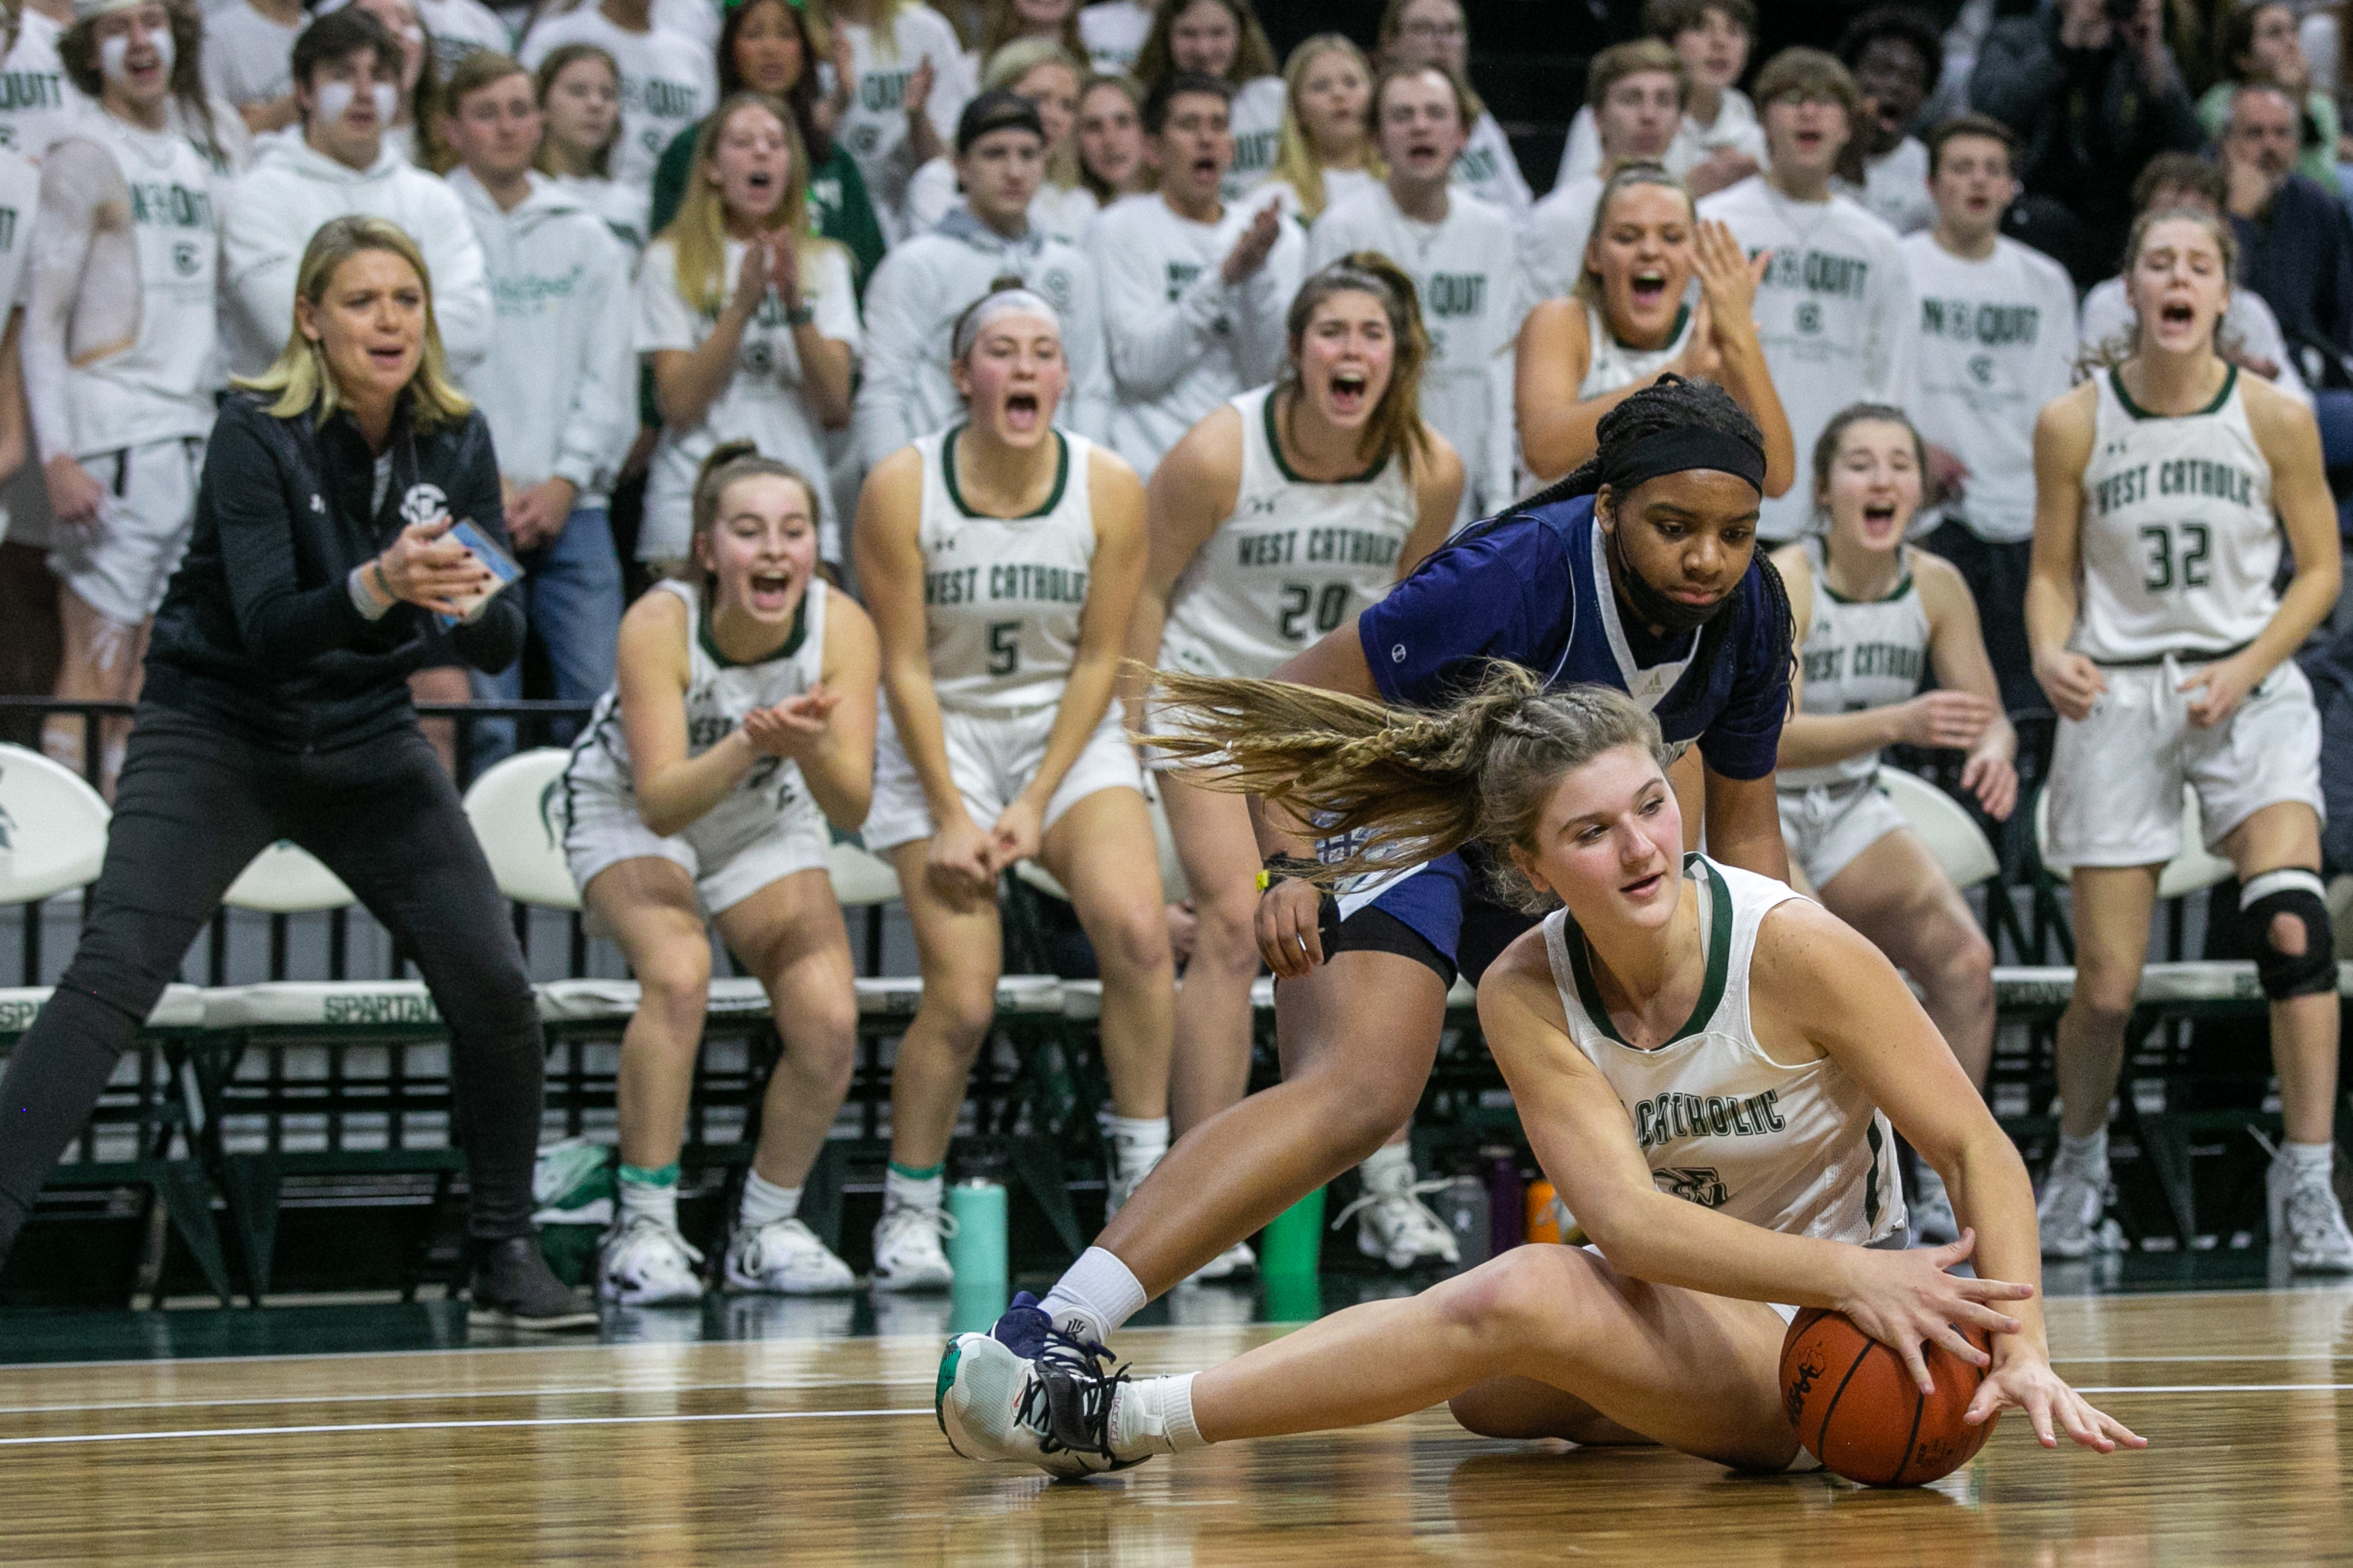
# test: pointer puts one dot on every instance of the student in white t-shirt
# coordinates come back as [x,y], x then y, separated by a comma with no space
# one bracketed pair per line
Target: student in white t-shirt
[748,321]
[909,84]
[1048,76]
[1194,287]
[1458,251]
[579,91]
[1434,33]
[249,60]
[1326,154]
[1718,143]
[1113,32]
[1996,342]
[1834,309]
[1223,39]
[1641,89]
[668,80]
[37,100]
[1896,55]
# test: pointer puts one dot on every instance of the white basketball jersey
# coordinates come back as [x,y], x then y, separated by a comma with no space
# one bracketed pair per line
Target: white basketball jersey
[1796,1149]
[1004,596]
[1611,364]
[2179,543]
[159,387]
[1858,654]
[718,695]
[1296,559]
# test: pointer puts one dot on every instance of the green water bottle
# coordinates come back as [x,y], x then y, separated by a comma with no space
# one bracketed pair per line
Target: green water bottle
[975,1242]
[1292,1243]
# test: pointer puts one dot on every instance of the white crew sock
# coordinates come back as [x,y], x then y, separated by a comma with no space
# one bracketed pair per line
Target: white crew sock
[764,1203]
[1390,1169]
[1137,1143]
[1094,1296]
[2091,1153]
[903,1189]
[1155,1415]
[653,1200]
[2309,1160]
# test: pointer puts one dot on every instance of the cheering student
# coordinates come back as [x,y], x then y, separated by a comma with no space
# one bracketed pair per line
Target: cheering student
[1326,154]
[277,707]
[1223,39]
[1435,33]
[1641,89]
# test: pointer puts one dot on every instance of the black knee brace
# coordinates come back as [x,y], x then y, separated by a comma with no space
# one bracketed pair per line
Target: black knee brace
[2290,892]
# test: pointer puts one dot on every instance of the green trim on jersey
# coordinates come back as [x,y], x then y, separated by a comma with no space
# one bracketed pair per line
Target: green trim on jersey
[1683,318]
[1711,990]
[1053,497]
[793,639]
[1274,447]
[1903,584]
[2117,380]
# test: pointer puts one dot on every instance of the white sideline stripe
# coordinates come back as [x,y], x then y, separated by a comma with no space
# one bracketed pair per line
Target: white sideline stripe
[2222,1388]
[227,1402]
[450,1426]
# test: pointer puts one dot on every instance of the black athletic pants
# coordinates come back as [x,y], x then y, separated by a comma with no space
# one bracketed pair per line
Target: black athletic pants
[193,807]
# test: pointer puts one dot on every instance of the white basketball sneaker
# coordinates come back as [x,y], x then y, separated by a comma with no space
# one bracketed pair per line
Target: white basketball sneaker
[1395,1226]
[645,1263]
[1236,1259]
[2308,1219]
[907,1251]
[2069,1213]
[1053,1413]
[785,1258]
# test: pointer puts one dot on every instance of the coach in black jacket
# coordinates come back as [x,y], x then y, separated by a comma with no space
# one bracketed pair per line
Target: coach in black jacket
[276,706]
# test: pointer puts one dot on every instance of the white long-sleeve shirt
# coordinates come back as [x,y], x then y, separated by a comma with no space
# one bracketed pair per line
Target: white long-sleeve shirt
[38,100]
[1490,170]
[912,304]
[1473,297]
[667,83]
[1835,315]
[1996,342]
[269,214]
[1181,338]
[874,127]
[559,384]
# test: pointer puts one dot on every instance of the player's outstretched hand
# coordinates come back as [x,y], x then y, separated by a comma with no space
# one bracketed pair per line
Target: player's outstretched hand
[2072,683]
[2220,687]
[425,568]
[793,728]
[958,860]
[1904,1298]
[1290,935]
[2023,1380]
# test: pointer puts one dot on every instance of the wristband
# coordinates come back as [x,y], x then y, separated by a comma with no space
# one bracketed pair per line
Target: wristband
[1284,868]
[800,315]
[375,570]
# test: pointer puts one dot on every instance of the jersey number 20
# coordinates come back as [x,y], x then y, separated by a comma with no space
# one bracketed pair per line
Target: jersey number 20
[1331,608]
[2167,568]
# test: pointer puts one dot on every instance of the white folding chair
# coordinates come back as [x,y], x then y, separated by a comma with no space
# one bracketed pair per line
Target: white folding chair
[287,879]
[861,878]
[1944,824]
[517,809]
[2193,867]
[52,828]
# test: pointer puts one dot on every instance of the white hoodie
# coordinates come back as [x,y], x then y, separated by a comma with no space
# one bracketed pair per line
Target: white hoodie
[271,213]
[912,304]
[559,384]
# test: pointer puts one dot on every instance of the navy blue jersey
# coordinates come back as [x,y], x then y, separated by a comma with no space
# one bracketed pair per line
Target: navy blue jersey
[1533,587]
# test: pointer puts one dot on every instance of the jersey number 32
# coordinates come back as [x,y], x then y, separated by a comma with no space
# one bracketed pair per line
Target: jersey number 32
[2166,566]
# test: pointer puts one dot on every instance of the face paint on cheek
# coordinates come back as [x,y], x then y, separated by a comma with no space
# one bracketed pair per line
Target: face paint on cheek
[111,52]
[387,101]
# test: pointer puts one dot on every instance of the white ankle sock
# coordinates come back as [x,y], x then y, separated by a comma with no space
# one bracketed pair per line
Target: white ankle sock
[653,1200]
[2309,1159]
[2092,1151]
[1390,1169]
[903,1189]
[764,1203]
[1095,1296]
[1137,1143]
[1155,1415]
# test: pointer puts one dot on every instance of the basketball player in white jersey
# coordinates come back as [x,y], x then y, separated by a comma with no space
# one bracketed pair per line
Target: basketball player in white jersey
[740,723]
[1001,558]
[2163,488]
[118,353]
[1873,615]
[1460,250]
[1273,520]
[1835,309]
[1707,1066]
[1627,321]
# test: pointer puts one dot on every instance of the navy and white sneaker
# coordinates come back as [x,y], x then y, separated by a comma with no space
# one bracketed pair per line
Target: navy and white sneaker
[995,1406]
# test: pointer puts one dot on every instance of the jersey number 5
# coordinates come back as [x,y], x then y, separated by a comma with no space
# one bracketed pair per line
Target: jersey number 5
[1004,647]
[1331,608]
[2167,568]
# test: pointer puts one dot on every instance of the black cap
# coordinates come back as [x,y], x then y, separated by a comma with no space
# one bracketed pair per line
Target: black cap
[999,109]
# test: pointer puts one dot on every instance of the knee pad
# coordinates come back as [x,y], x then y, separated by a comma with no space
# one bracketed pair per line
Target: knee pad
[2296,893]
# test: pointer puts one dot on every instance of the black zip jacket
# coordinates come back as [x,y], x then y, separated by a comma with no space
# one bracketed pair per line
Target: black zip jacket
[257,632]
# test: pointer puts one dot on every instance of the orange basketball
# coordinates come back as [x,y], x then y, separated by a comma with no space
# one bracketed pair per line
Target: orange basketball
[1855,1408]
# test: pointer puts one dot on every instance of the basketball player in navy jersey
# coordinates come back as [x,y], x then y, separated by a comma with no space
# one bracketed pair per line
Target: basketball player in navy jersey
[1639,571]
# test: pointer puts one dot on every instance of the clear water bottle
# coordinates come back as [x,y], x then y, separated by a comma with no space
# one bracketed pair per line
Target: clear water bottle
[1463,1208]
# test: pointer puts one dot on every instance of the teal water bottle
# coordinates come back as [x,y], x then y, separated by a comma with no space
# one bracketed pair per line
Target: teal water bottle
[975,1242]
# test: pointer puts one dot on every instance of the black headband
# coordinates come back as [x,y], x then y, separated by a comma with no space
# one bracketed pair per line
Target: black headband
[1677,449]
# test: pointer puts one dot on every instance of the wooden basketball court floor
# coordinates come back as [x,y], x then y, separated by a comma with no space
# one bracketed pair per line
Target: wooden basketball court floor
[825,1451]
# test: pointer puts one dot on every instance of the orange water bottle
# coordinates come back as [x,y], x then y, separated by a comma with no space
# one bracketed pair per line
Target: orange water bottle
[1544,1219]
